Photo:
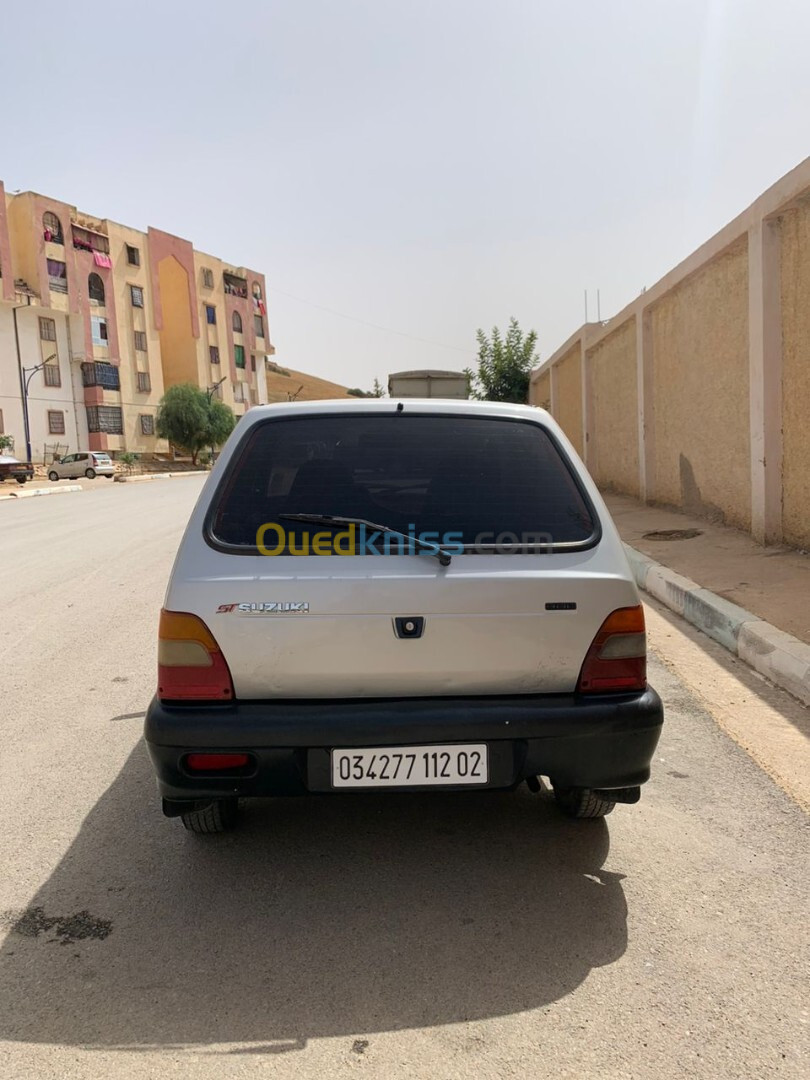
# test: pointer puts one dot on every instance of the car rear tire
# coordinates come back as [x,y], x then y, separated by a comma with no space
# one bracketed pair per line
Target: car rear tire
[21,479]
[53,476]
[577,802]
[90,474]
[217,817]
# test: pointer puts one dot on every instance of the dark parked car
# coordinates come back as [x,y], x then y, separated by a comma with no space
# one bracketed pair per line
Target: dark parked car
[12,469]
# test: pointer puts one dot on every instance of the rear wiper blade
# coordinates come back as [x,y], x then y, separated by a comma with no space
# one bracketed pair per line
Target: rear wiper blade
[443,556]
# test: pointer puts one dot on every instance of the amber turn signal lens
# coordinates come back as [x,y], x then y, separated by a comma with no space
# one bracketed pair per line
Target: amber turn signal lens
[617,657]
[191,666]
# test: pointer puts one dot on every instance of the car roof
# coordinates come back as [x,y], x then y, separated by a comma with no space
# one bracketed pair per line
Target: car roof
[386,406]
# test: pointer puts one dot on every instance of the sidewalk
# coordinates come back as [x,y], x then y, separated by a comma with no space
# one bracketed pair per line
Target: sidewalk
[753,600]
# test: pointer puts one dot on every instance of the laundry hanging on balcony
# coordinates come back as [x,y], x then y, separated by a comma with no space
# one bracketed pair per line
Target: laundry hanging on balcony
[100,259]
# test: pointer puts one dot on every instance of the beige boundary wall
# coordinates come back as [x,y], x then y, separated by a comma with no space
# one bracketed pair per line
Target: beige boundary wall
[697,394]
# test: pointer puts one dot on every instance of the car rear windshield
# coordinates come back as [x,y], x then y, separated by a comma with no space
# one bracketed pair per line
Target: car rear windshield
[472,483]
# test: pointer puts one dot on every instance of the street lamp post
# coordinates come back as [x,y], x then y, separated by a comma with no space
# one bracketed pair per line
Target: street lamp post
[23,395]
[27,375]
[209,393]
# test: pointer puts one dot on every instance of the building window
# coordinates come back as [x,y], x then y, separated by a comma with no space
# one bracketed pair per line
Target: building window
[95,289]
[210,314]
[52,227]
[53,376]
[239,355]
[147,424]
[239,392]
[47,329]
[56,422]
[144,382]
[237,323]
[252,361]
[257,291]
[57,276]
[98,330]
[107,418]
[103,375]
[213,354]
[140,340]
[136,294]
[258,325]
[133,255]
[208,278]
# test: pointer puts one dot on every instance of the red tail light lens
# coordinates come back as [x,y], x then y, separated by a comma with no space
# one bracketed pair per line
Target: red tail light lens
[617,658]
[191,666]
[216,762]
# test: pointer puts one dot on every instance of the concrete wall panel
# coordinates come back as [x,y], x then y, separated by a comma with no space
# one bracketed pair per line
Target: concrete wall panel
[795,290]
[540,392]
[568,409]
[701,392]
[613,435]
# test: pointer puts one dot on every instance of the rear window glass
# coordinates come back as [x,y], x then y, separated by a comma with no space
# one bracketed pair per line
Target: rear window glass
[484,483]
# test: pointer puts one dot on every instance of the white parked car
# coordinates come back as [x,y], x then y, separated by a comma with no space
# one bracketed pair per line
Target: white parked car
[412,594]
[89,463]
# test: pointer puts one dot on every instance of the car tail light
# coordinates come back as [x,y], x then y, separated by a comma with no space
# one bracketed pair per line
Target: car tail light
[191,666]
[216,762]
[617,658]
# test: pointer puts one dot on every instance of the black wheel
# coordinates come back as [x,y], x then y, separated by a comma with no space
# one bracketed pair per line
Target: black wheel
[580,802]
[20,479]
[217,817]
[53,475]
[90,474]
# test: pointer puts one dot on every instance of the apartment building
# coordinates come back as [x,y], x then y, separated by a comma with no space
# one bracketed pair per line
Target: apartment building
[97,319]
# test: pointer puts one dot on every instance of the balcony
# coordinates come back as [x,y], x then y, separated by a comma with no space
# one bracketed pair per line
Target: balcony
[88,240]
[104,375]
[235,286]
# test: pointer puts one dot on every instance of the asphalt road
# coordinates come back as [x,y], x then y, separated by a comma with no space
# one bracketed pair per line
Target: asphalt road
[412,936]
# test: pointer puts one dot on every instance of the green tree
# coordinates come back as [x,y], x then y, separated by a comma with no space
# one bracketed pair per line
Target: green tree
[504,364]
[378,390]
[221,421]
[190,420]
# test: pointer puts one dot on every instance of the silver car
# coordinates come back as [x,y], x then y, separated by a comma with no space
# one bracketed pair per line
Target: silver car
[402,595]
[89,463]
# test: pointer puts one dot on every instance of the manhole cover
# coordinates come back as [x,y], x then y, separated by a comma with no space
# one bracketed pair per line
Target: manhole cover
[673,534]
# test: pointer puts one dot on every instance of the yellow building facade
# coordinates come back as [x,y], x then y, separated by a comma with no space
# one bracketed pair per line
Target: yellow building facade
[97,319]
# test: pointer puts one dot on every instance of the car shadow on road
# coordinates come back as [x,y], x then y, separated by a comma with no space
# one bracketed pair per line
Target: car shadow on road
[320,917]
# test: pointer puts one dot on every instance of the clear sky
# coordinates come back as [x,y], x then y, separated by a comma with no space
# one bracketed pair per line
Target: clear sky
[428,166]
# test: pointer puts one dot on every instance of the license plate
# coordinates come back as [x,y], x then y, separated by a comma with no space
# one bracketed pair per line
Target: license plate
[411,766]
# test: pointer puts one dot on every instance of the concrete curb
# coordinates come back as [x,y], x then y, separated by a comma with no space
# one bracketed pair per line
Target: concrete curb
[63,489]
[775,654]
[167,475]
[33,493]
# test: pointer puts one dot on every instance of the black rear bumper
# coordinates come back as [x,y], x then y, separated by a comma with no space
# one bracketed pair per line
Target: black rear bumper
[594,741]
